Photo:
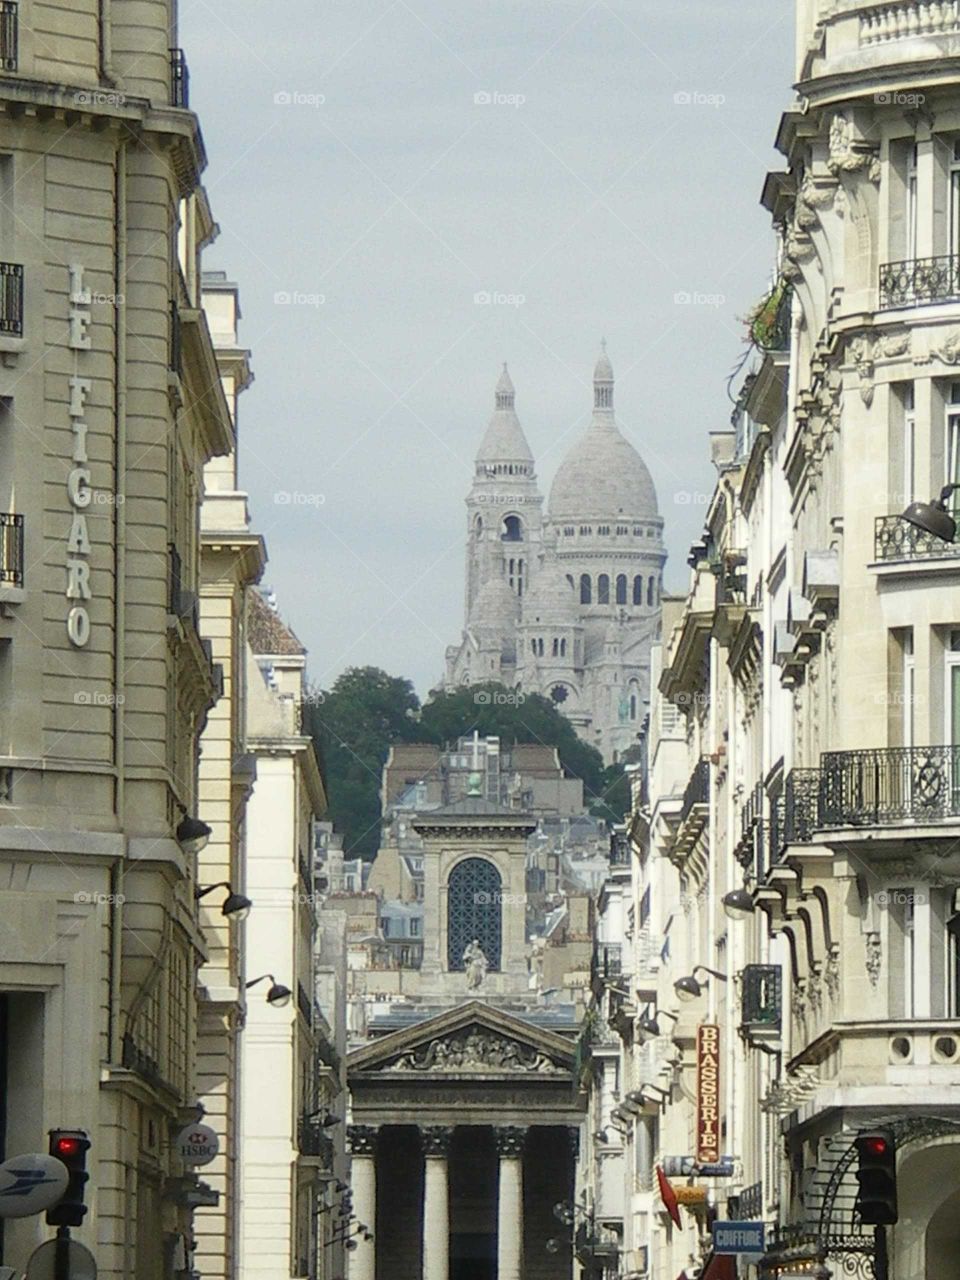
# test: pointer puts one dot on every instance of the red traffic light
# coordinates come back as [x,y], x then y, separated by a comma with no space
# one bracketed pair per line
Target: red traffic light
[876,1146]
[66,1146]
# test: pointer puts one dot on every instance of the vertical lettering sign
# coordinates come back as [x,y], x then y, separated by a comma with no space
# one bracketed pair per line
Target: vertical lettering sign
[78,479]
[708,1093]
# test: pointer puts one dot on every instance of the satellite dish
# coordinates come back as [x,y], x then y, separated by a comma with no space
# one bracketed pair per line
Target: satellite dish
[30,1184]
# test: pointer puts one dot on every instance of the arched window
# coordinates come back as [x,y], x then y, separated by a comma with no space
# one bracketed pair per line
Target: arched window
[473,912]
[563,648]
[633,706]
[658,590]
[512,529]
[585,592]
[621,588]
[603,589]
[638,589]
[478,527]
[651,587]
[556,647]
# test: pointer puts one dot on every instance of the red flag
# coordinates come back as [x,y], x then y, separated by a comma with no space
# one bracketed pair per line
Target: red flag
[668,1196]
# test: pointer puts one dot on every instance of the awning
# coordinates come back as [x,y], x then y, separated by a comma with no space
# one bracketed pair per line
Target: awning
[722,1266]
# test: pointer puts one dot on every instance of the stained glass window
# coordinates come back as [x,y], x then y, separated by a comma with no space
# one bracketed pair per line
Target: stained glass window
[473,911]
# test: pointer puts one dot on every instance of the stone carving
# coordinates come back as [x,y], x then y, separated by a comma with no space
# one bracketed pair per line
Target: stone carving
[476,1050]
[848,154]
[362,1139]
[866,349]
[814,994]
[831,972]
[435,1139]
[949,349]
[798,1001]
[872,942]
[476,964]
[509,1139]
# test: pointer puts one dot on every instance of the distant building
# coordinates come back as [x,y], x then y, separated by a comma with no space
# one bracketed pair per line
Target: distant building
[564,603]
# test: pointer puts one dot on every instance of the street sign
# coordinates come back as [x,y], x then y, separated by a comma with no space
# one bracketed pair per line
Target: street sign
[81,1264]
[689,1167]
[29,1184]
[738,1237]
[198,1144]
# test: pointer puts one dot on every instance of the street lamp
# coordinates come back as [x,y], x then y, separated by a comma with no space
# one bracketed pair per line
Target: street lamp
[648,1025]
[234,904]
[278,995]
[192,834]
[738,904]
[933,517]
[688,988]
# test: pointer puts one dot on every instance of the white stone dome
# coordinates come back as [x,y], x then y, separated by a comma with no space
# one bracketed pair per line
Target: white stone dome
[602,479]
[504,440]
[495,606]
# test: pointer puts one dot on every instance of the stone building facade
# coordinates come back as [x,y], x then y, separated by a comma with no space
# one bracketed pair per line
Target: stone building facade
[564,603]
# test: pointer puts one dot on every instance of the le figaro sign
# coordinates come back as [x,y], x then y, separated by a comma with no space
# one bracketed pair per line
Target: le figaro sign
[78,478]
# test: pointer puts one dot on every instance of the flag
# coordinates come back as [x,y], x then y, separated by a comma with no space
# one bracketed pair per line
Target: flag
[668,1196]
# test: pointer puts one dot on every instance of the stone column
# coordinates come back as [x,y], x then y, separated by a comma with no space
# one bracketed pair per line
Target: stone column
[436,1202]
[363,1182]
[510,1202]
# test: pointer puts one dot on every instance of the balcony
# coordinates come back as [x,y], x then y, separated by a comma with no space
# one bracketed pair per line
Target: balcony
[761,1005]
[11,550]
[608,961]
[897,539]
[9,35]
[697,791]
[887,786]
[904,21]
[619,850]
[919,282]
[748,1205]
[313,1142]
[179,79]
[11,299]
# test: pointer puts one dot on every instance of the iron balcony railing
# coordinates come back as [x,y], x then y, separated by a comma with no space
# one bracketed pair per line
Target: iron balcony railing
[748,1205]
[775,335]
[919,281]
[697,789]
[9,34]
[619,850]
[762,996]
[609,960]
[11,299]
[179,79]
[886,785]
[795,814]
[312,1140]
[896,539]
[11,549]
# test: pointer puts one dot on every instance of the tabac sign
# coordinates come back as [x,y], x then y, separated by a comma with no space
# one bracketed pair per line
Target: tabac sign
[708,1093]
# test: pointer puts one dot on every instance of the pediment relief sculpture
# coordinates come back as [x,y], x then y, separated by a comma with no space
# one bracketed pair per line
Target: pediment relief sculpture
[476,1050]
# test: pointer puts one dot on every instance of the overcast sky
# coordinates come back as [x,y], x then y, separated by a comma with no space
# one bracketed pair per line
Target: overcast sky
[377,164]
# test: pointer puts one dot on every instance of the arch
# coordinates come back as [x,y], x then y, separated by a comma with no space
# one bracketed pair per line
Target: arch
[511,529]
[474,901]
[603,589]
[621,588]
[586,591]
[638,589]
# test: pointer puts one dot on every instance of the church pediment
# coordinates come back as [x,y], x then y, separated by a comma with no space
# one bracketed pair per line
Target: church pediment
[472,1040]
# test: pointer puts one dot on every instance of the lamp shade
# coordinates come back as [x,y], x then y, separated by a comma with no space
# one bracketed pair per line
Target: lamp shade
[687,988]
[738,904]
[932,517]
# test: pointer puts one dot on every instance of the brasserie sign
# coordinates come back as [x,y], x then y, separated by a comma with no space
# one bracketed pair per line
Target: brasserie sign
[708,1093]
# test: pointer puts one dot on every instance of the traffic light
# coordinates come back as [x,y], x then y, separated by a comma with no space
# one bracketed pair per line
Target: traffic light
[70,1146]
[877,1176]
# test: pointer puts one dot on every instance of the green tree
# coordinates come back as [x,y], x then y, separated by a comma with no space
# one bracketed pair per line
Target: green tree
[353,725]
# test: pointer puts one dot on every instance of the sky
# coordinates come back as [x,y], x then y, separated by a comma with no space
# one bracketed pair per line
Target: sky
[412,193]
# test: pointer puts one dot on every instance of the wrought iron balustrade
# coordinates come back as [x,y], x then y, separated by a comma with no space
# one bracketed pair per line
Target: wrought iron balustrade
[887,785]
[312,1140]
[919,281]
[776,337]
[748,1205]
[179,79]
[11,549]
[9,34]
[897,539]
[609,960]
[619,850]
[697,790]
[801,805]
[762,996]
[11,299]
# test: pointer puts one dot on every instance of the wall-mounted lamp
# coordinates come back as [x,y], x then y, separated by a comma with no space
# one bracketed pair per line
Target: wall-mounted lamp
[933,517]
[278,995]
[192,834]
[234,904]
[738,904]
[688,988]
[649,1027]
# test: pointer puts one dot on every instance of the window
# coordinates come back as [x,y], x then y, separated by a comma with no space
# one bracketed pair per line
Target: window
[633,706]
[563,648]
[603,530]
[952,447]
[473,912]
[603,589]
[953,241]
[909,446]
[512,529]
[912,202]
[556,647]
[621,588]
[901,909]
[585,591]
[478,527]
[953,966]
[638,589]
[908,680]
[414,927]
[651,589]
